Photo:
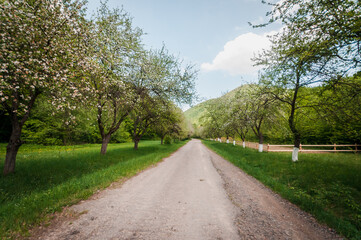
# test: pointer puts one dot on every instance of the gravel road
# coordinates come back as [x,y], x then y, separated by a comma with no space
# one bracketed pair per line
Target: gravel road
[193,194]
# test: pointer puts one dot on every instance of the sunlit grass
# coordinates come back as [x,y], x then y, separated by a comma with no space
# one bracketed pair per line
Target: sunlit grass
[325,185]
[49,178]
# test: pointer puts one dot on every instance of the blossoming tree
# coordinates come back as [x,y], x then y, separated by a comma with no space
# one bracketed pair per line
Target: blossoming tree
[39,55]
[124,72]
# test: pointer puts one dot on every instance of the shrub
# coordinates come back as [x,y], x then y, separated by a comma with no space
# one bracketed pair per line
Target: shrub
[167,140]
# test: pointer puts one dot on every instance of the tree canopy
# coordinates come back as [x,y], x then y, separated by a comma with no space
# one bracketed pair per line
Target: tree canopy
[95,70]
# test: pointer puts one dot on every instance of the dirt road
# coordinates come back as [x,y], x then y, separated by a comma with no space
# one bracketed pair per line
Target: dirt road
[194,194]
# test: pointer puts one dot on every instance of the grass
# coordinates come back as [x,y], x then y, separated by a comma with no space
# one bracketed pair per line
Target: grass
[326,185]
[52,177]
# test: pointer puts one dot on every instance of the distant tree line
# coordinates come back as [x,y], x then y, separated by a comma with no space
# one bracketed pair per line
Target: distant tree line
[66,79]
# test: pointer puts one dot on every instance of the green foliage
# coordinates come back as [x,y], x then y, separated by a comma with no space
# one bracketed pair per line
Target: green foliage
[325,114]
[318,44]
[171,122]
[331,28]
[194,116]
[49,178]
[78,74]
[167,140]
[194,113]
[79,127]
[325,185]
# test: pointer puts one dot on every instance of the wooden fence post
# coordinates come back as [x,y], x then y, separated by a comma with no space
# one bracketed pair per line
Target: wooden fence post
[267,147]
[334,146]
[300,147]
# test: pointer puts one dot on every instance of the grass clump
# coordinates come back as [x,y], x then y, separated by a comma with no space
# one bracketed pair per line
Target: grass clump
[326,185]
[49,178]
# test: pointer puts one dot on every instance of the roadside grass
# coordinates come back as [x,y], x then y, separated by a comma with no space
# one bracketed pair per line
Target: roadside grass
[326,185]
[48,178]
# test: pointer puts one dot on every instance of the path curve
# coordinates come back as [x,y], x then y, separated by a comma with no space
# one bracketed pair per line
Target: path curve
[193,194]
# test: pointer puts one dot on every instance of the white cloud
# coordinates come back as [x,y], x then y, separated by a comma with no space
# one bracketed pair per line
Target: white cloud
[236,55]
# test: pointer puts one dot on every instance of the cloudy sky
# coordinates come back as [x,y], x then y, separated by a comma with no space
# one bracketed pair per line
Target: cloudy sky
[213,34]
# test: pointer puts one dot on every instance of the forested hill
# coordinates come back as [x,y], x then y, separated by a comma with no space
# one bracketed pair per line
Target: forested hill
[193,115]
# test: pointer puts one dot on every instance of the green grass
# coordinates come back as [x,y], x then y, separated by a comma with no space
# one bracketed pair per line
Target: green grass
[49,178]
[326,185]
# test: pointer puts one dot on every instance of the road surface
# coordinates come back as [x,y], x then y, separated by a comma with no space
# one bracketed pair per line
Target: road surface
[193,194]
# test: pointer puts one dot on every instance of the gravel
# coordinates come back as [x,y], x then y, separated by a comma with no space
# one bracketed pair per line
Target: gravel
[193,194]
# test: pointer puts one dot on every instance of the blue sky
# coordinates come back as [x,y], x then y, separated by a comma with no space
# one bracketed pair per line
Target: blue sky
[213,34]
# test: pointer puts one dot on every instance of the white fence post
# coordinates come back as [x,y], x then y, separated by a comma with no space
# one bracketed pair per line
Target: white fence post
[295,154]
[234,143]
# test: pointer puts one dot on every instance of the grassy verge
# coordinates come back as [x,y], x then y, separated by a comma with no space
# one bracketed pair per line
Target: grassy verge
[49,178]
[326,185]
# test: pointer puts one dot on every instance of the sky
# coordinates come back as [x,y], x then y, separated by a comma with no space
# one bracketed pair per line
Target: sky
[212,34]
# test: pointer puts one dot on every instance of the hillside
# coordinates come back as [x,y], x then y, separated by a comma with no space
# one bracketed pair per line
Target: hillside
[194,114]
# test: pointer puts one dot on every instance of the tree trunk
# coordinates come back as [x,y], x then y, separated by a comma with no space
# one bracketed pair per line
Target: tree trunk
[243,141]
[296,136]
[106,140]
[291,121]
[136,141]
[161,140]
[260,137]
[12,149]
[296,147]
[297,140]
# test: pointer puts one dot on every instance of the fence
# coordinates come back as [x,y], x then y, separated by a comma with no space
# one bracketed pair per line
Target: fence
[283,148]
[247,144]
[289,148]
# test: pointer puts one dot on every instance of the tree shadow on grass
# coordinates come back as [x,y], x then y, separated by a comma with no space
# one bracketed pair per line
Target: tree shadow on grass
[41,171]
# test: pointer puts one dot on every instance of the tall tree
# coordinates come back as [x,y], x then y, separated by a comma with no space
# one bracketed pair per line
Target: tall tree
[213,119]
[124,73]
[241,113]
[169,123]
[40,44]
[289,68]
[148,112]
[320,43]
[261,111]
[161,78]
[251,109]
[114,49]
